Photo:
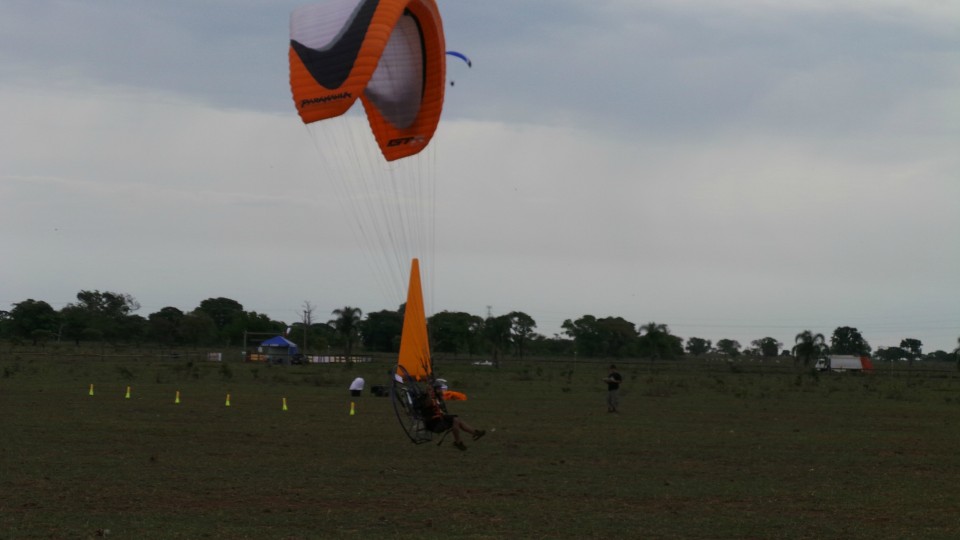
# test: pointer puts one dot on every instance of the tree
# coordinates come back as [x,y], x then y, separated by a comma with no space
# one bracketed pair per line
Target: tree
[306,322]
[496,331]
[521,330]
[319,336]
[221,310]
[618,336]
[455,332]
[585,335]
[847,340]
[33,320]
[657,342]
[347,324]
[381,330]
[729,347]
[939,356]
[108,303]
[227,316]
[698,346]
[5,323]
[767,346]
[133,328]
[103,315]
[914,347]
[198,328]
[809,346]
[164,326]
[74,321]
[551,346]
[891,354]
[251,321]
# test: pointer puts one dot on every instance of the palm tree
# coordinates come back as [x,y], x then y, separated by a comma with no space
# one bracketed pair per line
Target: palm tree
[809,345]
[657,338]
[347,324]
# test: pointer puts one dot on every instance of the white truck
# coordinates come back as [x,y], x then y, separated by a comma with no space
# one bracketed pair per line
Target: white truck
[841,363]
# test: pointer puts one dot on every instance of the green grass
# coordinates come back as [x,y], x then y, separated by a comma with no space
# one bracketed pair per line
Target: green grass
[699,451]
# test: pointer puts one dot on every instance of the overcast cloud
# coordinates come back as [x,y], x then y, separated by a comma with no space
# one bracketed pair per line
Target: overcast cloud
[735,169]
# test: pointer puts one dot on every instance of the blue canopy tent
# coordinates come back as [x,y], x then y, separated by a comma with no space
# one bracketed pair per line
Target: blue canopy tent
[280,350]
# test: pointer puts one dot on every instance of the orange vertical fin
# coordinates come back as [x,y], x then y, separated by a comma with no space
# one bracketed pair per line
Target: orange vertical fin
[414,344]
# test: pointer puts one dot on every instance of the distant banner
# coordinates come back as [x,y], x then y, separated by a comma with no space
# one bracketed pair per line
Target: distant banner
[338,359]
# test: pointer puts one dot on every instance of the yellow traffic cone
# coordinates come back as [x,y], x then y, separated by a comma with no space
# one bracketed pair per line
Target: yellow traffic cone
[176,400]
[284,403]
[228,400]
[128,393]
[91,389]
[351,409]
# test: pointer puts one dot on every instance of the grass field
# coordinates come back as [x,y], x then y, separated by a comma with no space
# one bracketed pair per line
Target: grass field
[700,450]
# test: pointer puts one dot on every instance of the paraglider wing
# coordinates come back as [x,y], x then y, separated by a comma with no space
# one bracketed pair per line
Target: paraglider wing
[405,95]
[461,56]
[332,56]
[388,53]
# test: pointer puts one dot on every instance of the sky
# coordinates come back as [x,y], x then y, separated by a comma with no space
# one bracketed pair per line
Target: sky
[734,169]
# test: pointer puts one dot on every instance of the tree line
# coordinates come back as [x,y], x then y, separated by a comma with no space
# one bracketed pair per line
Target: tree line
[109,317]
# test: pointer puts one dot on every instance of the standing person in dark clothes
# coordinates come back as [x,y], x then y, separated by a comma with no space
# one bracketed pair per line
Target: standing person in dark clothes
[613,381]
